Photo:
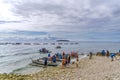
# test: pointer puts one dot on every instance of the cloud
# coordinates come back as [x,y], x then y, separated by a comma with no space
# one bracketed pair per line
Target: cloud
[60,12]
[23,35]
[88,19]
[3,22]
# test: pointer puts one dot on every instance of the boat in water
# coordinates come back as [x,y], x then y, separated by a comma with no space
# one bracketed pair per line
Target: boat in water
[44,50]
[58,47]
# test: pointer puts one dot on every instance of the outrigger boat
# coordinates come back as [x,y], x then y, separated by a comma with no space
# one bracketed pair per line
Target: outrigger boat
[40,62]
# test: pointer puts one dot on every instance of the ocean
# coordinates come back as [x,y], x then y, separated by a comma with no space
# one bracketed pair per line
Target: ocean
[16,58]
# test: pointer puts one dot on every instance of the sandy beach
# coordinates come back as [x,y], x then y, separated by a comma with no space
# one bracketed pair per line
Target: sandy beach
[97,68]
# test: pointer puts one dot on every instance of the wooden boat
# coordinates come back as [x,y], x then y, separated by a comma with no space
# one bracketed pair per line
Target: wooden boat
[58,47]
[44,50]
[41,62]
[49,59]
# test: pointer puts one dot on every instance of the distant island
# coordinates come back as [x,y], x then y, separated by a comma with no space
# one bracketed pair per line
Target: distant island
[63,41]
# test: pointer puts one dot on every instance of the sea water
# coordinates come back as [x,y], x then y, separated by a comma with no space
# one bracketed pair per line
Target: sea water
[15,58]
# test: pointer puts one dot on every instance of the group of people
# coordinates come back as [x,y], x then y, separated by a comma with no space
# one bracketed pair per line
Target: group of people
[53,59]
[108,54]
[64,58]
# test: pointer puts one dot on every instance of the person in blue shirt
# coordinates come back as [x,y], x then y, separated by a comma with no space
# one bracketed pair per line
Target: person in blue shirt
[119,51]
[49,55]
[59,56]
[54,58]
[45,61]
[103,52]
[113,55]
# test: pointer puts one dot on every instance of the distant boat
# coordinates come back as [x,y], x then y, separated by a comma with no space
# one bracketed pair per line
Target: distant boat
[63,41]
[44,50]
[58,47]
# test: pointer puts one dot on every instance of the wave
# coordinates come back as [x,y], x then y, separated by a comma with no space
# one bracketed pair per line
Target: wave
[22,54]
[16,54]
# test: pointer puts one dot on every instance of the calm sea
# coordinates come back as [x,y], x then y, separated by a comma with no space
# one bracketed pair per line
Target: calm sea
[18,57]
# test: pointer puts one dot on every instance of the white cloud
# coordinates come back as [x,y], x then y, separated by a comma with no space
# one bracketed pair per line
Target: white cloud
[79,16]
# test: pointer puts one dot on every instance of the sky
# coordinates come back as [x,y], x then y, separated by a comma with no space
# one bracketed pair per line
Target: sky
[82,20]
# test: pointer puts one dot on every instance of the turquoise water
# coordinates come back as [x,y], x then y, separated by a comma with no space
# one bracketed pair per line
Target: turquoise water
[17,57]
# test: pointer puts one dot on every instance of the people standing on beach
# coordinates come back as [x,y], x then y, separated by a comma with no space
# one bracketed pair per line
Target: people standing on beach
[90,55]
[107,53]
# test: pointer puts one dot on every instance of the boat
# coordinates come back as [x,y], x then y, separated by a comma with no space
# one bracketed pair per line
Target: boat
[44,50]
[50,59]
[58,47]
[41,62]
[63,41]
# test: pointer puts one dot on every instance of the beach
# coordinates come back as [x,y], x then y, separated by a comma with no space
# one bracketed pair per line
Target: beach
[97,68]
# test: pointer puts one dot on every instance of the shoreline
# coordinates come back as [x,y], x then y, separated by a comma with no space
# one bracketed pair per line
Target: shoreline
[35,69]
[97,68]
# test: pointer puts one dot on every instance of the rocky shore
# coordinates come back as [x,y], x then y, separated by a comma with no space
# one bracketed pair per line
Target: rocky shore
[97,68]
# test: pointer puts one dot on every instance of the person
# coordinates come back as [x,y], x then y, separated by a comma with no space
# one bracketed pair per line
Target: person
[63,54]
[69,59]
[90,56]
[119,53]
[103,52]
[54,59]
[77,61]
[66,61]
[107,53]
[60,56]
[49,55]
[113,55]
[63,62]
[45,61]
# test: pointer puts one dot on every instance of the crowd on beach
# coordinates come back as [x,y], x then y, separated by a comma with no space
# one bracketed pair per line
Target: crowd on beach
[108,54]
[64,58]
